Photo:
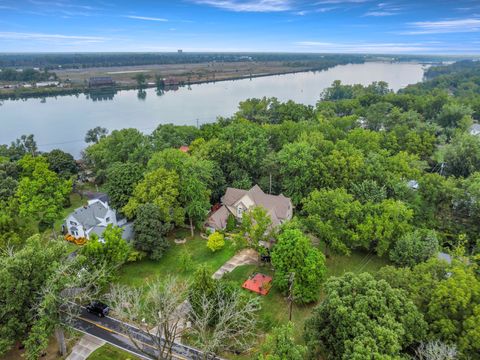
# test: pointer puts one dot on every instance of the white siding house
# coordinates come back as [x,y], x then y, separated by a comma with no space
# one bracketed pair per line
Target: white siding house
[92,218]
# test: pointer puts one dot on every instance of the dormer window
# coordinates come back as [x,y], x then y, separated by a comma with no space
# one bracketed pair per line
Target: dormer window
[107,219]
[73,223]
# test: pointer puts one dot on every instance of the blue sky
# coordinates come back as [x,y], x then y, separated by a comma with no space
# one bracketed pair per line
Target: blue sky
[346,26]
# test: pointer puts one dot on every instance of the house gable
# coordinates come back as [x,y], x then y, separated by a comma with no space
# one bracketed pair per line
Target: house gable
[236,201]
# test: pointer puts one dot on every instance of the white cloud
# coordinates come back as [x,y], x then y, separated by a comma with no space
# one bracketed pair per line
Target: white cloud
[317,10]
[379,13]
[249,6]
[147,18]
[6,35]
[443,27]
[384,9]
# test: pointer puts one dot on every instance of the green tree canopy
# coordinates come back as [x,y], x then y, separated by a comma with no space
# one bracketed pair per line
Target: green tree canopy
[332,216]
[195,179]
[120,146]
[414,247]
[295,254]
[150,231]
[62,163]
[41,193]
[113,250]
[462,155]
[120,182]
[448,295]
[281,345]
[383,224]
[361,318]
[159,187]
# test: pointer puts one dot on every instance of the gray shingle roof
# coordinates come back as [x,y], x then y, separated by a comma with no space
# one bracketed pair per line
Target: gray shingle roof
[87,216]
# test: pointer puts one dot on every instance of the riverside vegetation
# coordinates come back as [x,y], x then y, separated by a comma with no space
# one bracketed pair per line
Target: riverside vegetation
[381,182]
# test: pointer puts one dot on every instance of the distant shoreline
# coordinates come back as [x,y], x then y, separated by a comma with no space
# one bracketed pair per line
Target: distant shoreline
[26,93]
[19,94]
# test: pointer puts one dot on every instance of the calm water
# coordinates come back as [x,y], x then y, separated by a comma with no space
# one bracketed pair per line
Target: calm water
[61,122]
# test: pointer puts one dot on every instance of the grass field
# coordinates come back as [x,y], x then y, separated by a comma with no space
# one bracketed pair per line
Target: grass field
[109,352]
[135,274]
[274,310]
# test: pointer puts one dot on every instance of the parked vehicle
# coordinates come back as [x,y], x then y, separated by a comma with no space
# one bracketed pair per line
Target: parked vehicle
[98,308]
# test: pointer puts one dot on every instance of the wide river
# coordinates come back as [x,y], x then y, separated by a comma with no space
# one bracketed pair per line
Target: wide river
[61,122]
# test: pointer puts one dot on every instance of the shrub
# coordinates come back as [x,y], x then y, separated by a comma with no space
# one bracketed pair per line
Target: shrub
[185,260]
[414,247]
[216,241]
[231,223]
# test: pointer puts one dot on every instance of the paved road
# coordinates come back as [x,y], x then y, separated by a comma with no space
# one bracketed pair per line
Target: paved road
[116,332]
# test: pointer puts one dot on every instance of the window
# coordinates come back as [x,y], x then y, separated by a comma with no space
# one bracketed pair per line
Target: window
[239,211]
[107,219]
[73,223]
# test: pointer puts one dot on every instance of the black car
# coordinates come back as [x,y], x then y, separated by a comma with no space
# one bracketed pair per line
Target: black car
[98,308]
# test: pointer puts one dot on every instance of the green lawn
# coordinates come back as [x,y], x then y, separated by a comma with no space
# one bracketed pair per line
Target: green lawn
[135,274]
[110,352]
[274,310]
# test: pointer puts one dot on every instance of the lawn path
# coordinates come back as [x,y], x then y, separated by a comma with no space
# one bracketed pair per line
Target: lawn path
[244,257]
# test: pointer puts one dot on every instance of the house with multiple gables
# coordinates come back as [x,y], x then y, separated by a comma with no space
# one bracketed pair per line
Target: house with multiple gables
[93,218]
[236,201]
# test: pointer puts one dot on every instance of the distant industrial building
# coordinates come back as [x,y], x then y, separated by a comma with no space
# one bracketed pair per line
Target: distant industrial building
[180,51]
[100,81]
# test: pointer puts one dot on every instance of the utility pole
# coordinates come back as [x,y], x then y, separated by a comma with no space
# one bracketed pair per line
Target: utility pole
[270,191]
[291,279]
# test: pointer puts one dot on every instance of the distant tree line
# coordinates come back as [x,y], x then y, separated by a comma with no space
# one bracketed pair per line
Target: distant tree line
[25,75]
[84,60]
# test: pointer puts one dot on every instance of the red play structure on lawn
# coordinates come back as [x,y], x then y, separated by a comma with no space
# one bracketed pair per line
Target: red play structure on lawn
[258,283]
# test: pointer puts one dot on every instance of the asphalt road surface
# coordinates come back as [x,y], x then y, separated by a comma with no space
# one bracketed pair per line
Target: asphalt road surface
[116,333]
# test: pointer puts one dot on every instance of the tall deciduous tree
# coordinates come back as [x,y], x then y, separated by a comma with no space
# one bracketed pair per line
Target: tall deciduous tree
[297,168]
[120,182]
[281,345]
[462,155]
[41,193]
[94,135]
[150,231]
[195,178]
[448,295]
[414,247]
[120,146]
[37,285]
[159,306]
[256,225]
[158,187]
[360,318]
[62,163]
[332,216]
[234,325]
[383,224]
[294,254]
[113,250]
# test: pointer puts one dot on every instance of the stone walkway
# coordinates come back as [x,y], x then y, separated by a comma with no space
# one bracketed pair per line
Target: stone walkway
[85,347]
[244,257]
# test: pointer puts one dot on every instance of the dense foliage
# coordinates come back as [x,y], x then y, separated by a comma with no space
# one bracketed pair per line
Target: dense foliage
[363,318]
[298,264]
[395,175]
[448,295]
[28,75]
